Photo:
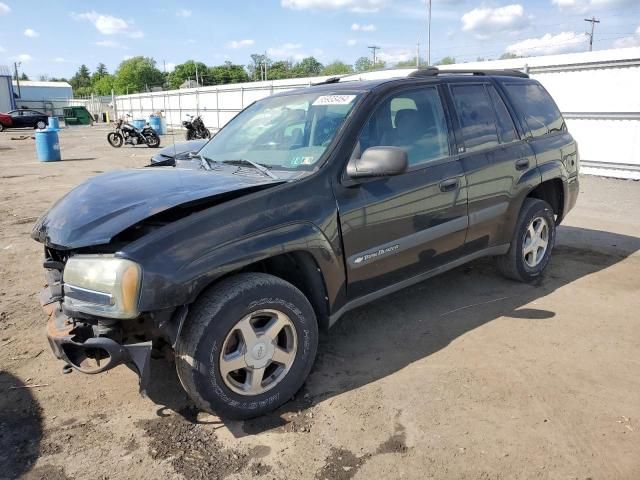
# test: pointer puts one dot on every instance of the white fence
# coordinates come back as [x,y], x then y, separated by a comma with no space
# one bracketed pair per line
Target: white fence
[598,93]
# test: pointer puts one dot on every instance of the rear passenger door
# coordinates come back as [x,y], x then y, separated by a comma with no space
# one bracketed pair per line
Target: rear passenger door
[395,228]
[495,160]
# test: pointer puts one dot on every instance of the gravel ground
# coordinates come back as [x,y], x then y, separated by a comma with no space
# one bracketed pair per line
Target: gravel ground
[464,376]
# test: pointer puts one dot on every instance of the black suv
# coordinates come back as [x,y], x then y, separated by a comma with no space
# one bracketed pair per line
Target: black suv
[306,205]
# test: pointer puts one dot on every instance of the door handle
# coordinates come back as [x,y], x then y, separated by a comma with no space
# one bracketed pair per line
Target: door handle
[448,185]
[522,164]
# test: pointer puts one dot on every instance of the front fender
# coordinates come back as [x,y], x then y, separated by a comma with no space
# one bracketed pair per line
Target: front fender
[182,286]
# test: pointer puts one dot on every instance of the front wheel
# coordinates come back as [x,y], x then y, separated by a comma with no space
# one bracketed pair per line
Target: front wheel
[40,125]
[115,139]
[206,133]
[247,346]
[2,127]
[153,140]
[532,242]
[189,135]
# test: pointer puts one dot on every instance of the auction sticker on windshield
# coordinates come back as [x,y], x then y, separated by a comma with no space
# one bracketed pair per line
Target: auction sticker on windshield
[334,100]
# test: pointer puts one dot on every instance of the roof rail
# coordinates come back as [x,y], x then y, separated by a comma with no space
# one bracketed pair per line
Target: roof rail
[434,72]
[328,80]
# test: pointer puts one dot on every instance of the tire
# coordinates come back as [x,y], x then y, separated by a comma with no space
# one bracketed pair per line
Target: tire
[115,139]
[207,133]
[2,127]
[189,135]
[517,263]
[214,319]
[153,141]
[40,125]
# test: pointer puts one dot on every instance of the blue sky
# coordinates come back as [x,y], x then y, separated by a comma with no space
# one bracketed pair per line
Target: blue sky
[55,37]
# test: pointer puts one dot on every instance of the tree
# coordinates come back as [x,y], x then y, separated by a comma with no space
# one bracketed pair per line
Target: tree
[137,75]
[81,79]
[363,64]
[255,68]
[24,77]
[101,71]
[227,73]
[447,61]
[337,68]
[508,55]
[410,63]
[187,71]
[307,67]
[279,70]
[104,85]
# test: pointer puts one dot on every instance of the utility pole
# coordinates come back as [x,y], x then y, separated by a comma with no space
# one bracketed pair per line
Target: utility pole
[593,22]
[417,54]
[196,64]
[15,66]
[373,48]
[429,34]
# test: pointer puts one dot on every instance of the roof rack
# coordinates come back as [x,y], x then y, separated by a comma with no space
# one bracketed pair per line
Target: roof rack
[434,72]
[328,80]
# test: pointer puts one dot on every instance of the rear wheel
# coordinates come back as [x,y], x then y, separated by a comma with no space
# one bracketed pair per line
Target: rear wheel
[532,242]
[153,140]
[115,139]
[189,135]
[40,124]
[2,127]
[247,346]
[207,133]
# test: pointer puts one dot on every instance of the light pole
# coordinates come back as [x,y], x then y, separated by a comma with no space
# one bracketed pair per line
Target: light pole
[429,33]
[15,66]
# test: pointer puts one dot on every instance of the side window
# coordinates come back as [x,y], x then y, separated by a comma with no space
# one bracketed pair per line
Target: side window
[413,120]
[505,125]
[476,116]
[537,107]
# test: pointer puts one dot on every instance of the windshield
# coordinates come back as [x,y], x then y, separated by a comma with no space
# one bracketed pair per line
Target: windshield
[287,132]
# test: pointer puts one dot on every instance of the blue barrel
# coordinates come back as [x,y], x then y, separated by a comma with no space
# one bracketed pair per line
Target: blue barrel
[163,126]
[54,123]
[139,124]
[47,145]
[156,124]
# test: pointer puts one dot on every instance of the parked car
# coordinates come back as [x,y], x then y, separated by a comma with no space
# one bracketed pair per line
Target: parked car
[306,205]
[23,118]
[177,151]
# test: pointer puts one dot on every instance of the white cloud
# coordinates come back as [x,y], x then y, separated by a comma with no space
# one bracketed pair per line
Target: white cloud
[485,21]
[184,13]
[549,44]
[2,49]
[632,41]
[108,44]
[395,56]
[4,8]
[584,6]
[241,43]
[351,42]
[170,66]
[362,6]
[29,32]
[108,24]
[356,27]
[23,57]
[59,60]
[287,50]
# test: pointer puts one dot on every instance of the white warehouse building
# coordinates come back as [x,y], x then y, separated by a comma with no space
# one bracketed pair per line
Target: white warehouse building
[47,97]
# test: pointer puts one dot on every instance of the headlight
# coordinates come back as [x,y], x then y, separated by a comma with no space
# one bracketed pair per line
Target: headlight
[102,285]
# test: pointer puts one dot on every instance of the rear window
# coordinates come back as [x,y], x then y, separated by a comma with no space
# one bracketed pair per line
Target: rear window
[537,108]
[476,116]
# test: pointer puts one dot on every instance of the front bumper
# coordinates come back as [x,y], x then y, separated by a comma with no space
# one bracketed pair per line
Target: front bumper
[86,353]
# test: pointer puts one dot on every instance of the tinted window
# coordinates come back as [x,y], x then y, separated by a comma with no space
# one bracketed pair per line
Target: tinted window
[476,116]
[413,120]
[505,125]
[537,108]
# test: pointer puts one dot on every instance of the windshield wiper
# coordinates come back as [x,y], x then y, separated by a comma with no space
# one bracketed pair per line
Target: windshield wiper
[259,167]
[204,161]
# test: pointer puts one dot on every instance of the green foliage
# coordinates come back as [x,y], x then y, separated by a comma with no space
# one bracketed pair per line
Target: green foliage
[186,71]
[447,61]
[227,73]
[254,68]
[101,71]
[410,63]
[137,75]
[508,55]
[81,80]
[104,85]
[307,67]
[24,77]
[364,64]
[279,70]
[337,68]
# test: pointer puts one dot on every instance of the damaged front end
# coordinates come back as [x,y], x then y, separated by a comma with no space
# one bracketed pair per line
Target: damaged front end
[90,344]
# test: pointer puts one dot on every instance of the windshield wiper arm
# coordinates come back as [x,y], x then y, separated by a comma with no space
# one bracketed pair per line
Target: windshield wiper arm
[204,161]
[260,168]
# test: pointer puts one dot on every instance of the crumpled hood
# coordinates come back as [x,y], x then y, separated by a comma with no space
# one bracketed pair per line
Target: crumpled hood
[105,205]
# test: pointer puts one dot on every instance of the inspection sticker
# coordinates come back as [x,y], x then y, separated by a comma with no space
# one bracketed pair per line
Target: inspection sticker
[334,100]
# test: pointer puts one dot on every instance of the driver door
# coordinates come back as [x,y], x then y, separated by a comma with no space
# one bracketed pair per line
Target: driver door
[397,227]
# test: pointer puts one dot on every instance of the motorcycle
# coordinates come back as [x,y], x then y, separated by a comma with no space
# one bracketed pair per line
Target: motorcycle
[195,128]
[125,133]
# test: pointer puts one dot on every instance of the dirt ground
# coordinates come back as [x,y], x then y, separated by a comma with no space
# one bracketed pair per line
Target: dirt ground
[464,376]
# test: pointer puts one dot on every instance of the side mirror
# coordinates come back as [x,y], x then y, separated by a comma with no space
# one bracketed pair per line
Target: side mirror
[378,162]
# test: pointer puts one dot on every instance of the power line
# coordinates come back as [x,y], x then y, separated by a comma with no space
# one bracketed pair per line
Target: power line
[593,22]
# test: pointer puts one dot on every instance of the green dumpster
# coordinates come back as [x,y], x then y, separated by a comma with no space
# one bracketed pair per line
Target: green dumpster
[77,116]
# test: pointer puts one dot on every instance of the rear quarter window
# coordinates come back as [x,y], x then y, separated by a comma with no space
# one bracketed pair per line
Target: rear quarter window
[476,116]
[537,108]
